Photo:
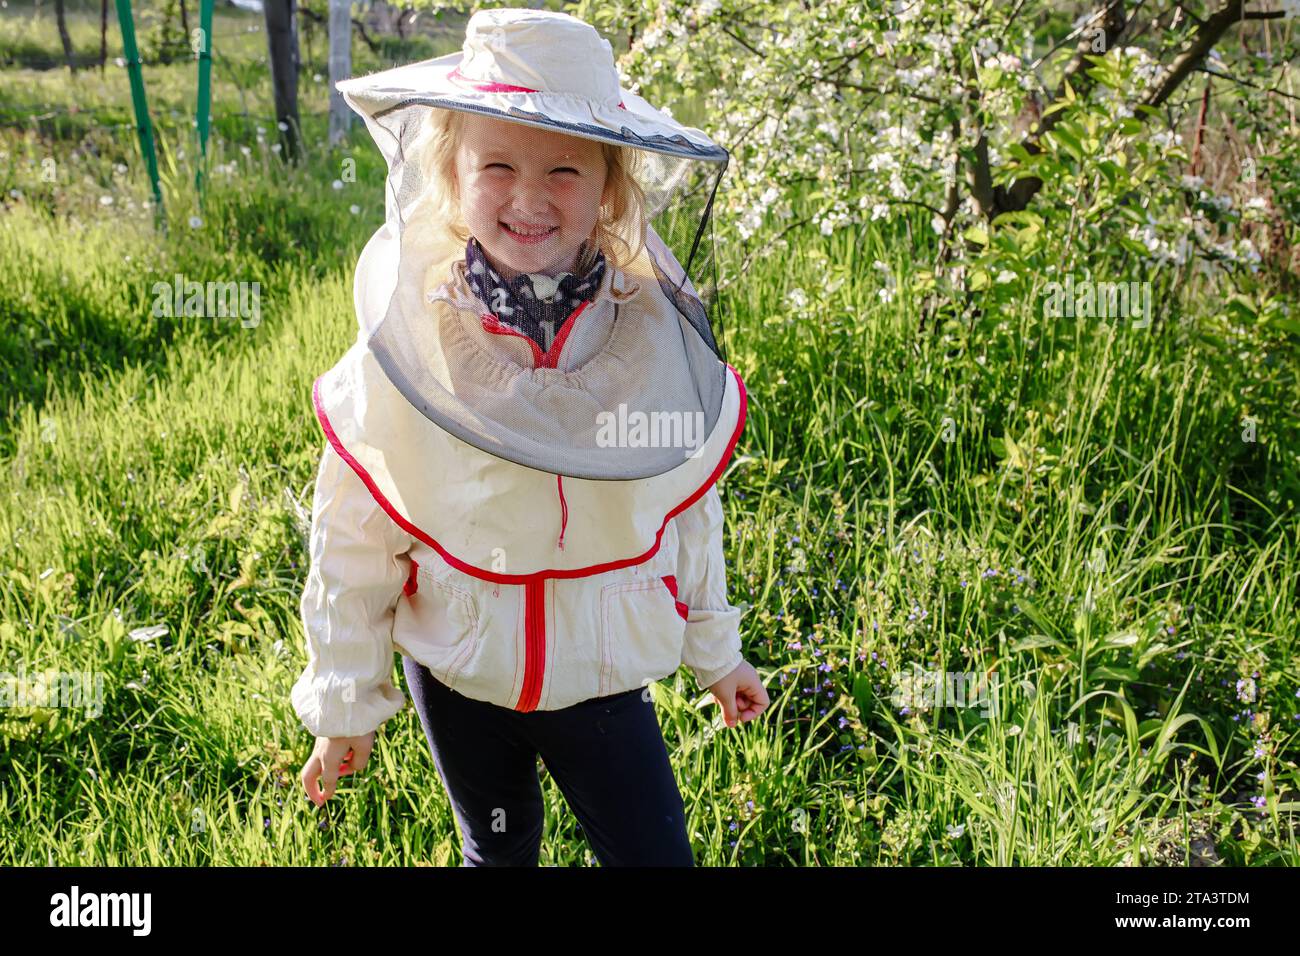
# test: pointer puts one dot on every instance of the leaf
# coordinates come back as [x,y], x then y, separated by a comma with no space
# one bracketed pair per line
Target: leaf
[1019,218]
[1241,307]
[1107,672]
[1035,641]
[1120,639]
[862,695]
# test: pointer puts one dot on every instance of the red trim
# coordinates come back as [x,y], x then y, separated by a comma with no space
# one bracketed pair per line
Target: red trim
[551,356]
[492,324]
[458,77]
[671,581]
[412,584]
[501,578]
[534,645]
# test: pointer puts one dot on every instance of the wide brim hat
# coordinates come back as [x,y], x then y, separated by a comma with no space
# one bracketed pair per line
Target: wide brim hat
[539,68]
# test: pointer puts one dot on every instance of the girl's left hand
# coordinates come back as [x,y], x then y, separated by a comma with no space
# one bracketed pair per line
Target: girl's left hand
[741,694]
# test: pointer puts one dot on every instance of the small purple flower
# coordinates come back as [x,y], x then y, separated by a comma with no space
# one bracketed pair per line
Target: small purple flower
[1258,802]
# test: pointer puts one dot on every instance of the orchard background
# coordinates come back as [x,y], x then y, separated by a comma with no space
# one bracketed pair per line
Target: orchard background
[957,459]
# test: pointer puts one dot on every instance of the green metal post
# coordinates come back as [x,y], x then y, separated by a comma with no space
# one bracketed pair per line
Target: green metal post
[205,90]
[143,127]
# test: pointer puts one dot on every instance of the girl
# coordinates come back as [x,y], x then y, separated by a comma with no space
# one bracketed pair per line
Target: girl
[521,324]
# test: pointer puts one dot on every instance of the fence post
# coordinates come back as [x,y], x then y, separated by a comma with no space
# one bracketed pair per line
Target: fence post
[204,110]
[143,127]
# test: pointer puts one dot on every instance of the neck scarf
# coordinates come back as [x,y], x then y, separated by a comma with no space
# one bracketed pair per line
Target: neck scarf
[534,303]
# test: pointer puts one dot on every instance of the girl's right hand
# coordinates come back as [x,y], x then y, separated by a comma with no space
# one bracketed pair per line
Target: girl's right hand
[332,758]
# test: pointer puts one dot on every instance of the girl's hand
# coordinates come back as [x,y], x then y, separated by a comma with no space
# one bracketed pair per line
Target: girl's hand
[741,694]
[334,757]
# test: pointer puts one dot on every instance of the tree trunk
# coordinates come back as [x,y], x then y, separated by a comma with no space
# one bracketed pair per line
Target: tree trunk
[282,47]
[103,35]
[63,35]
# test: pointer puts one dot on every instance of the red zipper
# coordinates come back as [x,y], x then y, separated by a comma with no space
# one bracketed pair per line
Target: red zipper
[534,644]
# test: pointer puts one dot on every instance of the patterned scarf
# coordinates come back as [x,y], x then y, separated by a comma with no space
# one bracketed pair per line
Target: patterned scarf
[534,303]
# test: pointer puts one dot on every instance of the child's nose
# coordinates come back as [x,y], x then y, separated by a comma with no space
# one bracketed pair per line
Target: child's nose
[531,200]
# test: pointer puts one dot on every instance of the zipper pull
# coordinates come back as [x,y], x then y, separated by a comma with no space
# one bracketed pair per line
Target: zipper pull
[564,515]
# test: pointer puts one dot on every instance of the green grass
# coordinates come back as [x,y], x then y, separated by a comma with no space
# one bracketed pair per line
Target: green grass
[1096,536]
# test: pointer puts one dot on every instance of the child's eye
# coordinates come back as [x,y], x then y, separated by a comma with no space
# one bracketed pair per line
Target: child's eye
[561,169]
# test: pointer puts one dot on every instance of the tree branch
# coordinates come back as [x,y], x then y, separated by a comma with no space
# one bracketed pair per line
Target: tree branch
[1017,195]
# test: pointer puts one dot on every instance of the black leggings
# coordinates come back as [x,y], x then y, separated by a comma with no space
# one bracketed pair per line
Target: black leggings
[606,754]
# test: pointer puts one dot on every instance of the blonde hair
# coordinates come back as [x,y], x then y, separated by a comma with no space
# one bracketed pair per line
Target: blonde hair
[619,233]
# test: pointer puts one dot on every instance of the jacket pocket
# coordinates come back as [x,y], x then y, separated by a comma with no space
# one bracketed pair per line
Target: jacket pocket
[641,634]
[440,626]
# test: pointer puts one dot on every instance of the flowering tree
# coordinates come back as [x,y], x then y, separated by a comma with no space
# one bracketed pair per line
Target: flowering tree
[992,120]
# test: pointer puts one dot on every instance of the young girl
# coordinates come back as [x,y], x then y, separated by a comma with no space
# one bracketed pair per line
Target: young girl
[518,492]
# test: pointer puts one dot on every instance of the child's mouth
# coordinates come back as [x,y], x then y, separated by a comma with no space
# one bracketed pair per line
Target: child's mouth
[526,238]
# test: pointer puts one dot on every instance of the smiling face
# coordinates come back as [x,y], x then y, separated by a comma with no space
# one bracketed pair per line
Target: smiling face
[535,180]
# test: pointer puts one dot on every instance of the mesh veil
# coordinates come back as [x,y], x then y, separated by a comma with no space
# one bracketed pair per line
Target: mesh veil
[633,383]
